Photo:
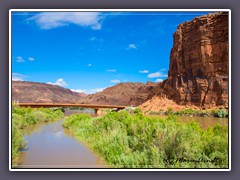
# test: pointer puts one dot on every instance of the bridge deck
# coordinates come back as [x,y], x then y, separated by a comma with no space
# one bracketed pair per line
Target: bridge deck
[49,105]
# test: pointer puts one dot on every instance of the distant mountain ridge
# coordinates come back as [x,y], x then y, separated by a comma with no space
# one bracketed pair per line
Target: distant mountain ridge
[126,94]
[23,91]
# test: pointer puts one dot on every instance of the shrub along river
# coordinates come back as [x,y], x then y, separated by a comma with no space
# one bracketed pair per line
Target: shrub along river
[49,145]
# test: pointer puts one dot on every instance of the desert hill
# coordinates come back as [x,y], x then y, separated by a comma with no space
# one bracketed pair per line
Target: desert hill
[40,92]
[129,94]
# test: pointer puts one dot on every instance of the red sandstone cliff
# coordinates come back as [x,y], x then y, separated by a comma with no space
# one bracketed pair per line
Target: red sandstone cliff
[198,70]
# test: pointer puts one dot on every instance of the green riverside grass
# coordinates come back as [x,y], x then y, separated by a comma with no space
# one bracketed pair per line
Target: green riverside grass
[136,141]
[23,117]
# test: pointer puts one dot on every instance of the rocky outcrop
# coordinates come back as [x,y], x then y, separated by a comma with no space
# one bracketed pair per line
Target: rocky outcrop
[198,70]
[125,94]
[42,93]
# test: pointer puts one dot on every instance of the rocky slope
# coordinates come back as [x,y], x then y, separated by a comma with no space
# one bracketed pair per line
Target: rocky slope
[39,92]
[122,94]
[198,70]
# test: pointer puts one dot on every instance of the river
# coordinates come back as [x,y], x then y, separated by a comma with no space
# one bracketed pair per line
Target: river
[49,145]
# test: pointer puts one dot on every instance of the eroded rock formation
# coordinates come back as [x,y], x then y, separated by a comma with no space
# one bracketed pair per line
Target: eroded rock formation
[198,70]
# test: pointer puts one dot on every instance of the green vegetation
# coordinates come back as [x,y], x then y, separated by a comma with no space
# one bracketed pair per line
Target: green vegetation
[22,117]
[137,141]
[137,111]
[192,112]
[221,113]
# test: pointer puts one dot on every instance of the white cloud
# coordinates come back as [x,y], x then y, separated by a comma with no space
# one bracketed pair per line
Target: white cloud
[20,59]
[115,81]
[132,46]
[50,20]
[92,39]
[59,82]
[89,65]
[18,77]
[89,91]
[31,59]
[144,71]
[111,70]
[159,80]
[96,39]
[156,74]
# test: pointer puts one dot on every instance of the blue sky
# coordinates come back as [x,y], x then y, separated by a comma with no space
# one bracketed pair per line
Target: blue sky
[89,51]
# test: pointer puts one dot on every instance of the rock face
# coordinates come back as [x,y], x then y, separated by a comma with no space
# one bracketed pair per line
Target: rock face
[125,94]
[39,92]
[198,70]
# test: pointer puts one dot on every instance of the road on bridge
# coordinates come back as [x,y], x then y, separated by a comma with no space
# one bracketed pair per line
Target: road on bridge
[49,105]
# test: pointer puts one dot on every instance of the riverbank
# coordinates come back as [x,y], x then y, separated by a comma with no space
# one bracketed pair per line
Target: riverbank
[23,117]
[219,113]
[137,141]
[52,146]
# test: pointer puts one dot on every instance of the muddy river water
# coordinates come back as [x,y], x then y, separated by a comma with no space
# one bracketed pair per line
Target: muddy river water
[49,145]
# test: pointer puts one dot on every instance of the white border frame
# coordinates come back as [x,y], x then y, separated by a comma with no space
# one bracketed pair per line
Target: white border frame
[116,10]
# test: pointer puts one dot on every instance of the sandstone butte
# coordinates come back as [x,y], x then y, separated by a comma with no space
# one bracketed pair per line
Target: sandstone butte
[198,70]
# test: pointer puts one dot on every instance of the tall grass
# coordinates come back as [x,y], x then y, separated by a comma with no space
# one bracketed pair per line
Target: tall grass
[137,141]
[22,117]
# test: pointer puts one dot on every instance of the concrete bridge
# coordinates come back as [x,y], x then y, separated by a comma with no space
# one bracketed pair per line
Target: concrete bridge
[96,107]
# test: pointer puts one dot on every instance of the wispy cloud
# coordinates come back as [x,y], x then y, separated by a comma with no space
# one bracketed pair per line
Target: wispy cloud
[163,69]
[156,75]
[20,59]
[50,20]
[111,70]
[31,59]
[115,81]
[89,65]
[96,39]
[92,39]
[59,82]
[159,80]
[89,91]
[144,71]
[18,77]
[132,46]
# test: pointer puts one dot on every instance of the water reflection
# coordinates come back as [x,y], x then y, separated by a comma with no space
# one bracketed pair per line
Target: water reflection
[69,112]
[205,122]
[52,146]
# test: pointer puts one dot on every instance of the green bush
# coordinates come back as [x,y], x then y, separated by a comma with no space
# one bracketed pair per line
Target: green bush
[169,111]
[222,113]
[137,141]
[137,111]
[18,141]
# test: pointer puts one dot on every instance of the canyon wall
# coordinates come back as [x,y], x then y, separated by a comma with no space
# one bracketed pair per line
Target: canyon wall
[198,70]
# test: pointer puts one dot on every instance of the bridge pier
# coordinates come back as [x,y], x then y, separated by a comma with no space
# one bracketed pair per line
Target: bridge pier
[97,111]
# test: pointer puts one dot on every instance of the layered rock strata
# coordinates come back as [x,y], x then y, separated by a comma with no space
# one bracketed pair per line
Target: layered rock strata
[198,70]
